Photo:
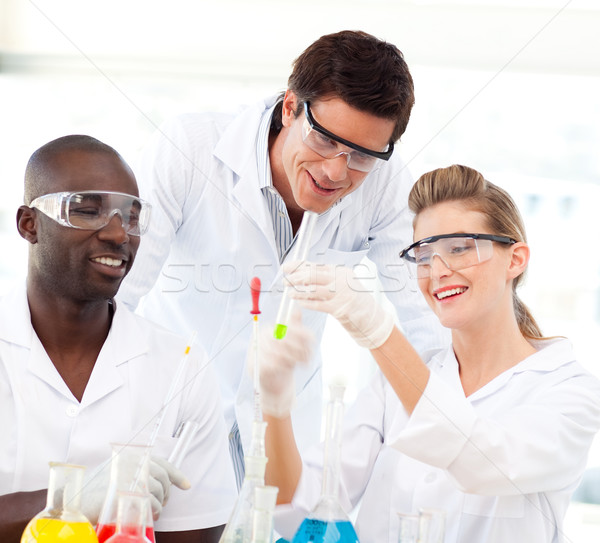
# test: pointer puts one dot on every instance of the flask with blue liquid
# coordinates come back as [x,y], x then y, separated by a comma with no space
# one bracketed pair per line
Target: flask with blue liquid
[328,522]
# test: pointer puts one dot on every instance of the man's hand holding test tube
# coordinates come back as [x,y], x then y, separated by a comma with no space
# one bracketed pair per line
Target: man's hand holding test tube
[299,253]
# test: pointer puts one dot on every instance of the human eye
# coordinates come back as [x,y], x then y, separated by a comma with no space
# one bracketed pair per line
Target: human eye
[361,158]
[323,141]
[84,210]
[459,247]
[134,216]
[422,256]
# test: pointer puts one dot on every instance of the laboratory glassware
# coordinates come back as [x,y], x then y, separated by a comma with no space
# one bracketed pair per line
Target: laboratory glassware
[299,254]
[239,526]
[431,525]
[265,498]
[408,528]
[185,434]
[129,471]
[328,522]
[255,312]
[132,515]
[62,519]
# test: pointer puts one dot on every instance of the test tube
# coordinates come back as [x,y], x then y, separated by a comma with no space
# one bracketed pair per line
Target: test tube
[184,434]
[299,253]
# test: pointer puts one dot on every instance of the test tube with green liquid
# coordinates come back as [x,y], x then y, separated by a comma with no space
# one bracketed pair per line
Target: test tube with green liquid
[299,253]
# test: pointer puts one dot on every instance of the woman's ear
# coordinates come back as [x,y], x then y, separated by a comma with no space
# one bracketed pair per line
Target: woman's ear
[27,223]
[289,107]
[519,259]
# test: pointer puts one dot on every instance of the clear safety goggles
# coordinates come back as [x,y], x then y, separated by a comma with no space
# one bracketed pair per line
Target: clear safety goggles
[456,251]
[328,145]
[94,209]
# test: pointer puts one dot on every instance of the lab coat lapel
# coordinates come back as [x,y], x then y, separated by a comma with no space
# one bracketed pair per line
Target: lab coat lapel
[237,150]
[125,341]
[17,328]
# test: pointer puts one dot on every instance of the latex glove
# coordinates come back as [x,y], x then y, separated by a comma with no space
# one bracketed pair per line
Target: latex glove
[335,290]
[94,490]
[277,359]
[162,474]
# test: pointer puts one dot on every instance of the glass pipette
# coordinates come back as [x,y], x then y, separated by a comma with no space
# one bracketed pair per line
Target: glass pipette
[299,253]
[255,311]
[167,400]
[171,391]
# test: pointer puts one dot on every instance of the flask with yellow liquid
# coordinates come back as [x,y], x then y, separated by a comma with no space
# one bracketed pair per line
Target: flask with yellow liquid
[61,520]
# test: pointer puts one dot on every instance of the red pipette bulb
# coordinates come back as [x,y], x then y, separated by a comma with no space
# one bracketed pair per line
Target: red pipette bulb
[255,291]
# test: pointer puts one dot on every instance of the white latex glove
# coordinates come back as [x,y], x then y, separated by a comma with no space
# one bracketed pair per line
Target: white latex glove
[93,491]
[162,474]
[335,290]
[277,359]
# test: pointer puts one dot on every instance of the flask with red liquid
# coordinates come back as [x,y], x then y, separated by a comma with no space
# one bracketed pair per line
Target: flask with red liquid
[128,473]
[132,515]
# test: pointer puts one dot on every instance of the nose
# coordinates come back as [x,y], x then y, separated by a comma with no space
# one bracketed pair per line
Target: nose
[114,230]
[439,267]
[336,167]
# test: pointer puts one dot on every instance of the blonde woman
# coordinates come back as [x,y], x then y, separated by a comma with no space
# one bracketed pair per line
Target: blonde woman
[495,429]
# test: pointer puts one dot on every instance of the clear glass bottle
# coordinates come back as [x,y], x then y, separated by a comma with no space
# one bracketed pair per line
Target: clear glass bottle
[128,473]
[239,526]
[132,515]
[62,519]
[265,498]
[328,522]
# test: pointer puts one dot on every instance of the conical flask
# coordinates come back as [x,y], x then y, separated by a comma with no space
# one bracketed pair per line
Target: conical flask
[128,473]
[265,498]
[132,515]
[328,522]
[239,525]
[61,520]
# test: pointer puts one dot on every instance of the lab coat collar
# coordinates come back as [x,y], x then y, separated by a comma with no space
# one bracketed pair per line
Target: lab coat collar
[237,150]
[126,340]
[556,352]
[15,319]
[237,145]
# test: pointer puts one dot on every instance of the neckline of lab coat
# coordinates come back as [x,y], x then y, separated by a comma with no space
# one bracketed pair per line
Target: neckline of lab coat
[560,350]
[126,340]
[236,149]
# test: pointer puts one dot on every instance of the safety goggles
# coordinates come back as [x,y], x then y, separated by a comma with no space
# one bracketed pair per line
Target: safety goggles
[94,209]
[456,251]
[327,144]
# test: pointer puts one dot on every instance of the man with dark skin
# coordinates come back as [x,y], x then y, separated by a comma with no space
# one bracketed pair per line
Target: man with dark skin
[74,272]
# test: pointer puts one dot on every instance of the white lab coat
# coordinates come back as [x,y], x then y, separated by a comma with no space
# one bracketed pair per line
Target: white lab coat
[41,420]
[211,232]
[502,463]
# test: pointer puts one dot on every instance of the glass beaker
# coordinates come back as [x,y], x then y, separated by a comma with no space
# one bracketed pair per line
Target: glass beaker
[129,470]
[62,519]
[132,515]
[328,522]
[239,526]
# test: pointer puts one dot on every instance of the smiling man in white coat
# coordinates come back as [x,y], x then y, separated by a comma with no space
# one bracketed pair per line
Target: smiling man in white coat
[229,193]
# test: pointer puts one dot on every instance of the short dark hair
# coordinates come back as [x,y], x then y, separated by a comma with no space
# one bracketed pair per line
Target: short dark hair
[365,72]
[42,158]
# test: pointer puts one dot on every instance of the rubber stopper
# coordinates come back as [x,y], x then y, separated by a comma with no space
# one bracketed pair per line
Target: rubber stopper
[255,291]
